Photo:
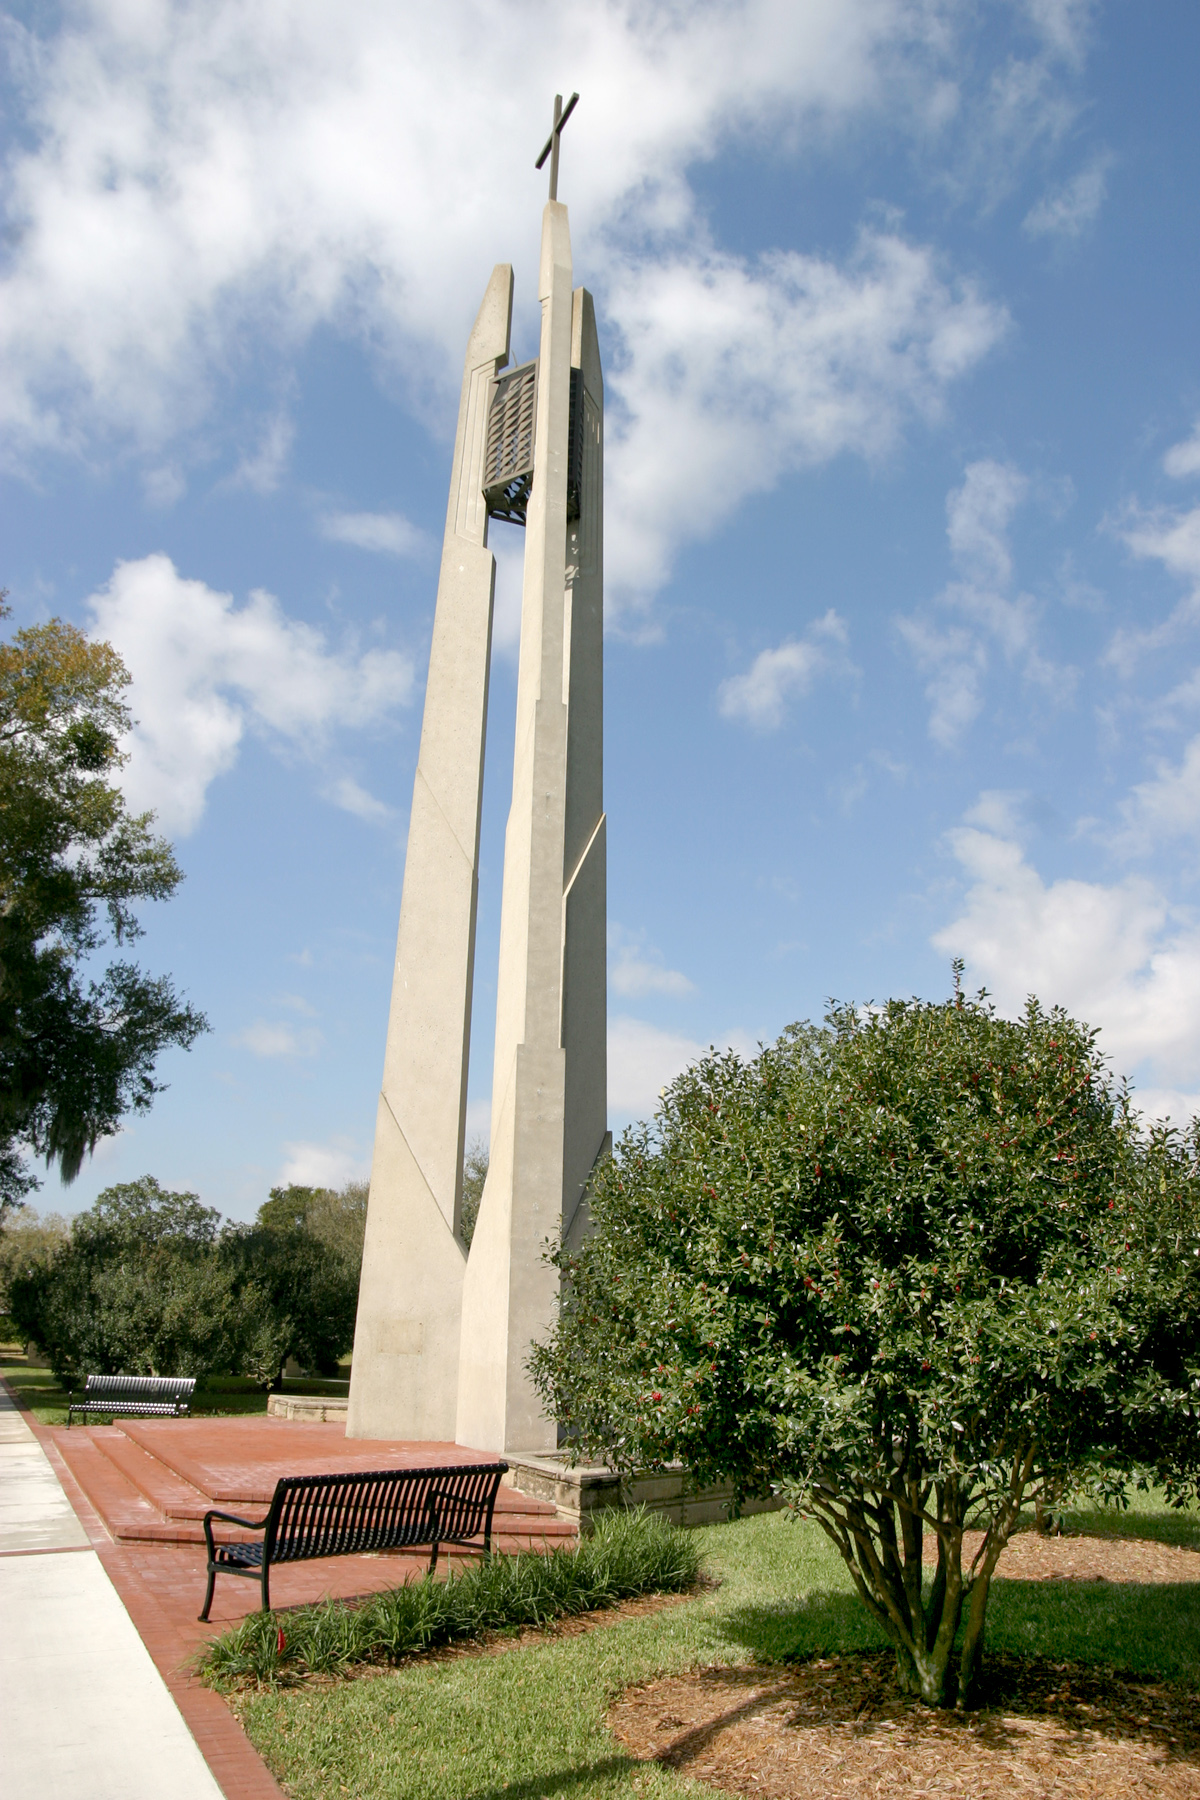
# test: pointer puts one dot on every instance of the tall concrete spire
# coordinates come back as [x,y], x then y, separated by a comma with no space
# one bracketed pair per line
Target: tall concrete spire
[549,1087]
[404,1380]
[442,1338]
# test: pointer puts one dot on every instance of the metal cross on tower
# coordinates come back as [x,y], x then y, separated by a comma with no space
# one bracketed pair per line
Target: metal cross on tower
[551,145]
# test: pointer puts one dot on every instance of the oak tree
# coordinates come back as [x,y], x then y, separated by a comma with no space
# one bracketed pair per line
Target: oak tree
[78,1042]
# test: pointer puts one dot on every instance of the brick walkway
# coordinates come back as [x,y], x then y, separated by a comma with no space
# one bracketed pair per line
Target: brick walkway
[141,1489]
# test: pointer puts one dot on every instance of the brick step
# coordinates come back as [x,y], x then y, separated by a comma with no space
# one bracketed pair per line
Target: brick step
[117,1485]
[512,1543]
[127,1514]
[238,1461]
[169,1494]
[533,1525]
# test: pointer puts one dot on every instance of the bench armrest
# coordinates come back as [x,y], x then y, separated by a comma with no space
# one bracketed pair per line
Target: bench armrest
[227,1518]
[233,1519]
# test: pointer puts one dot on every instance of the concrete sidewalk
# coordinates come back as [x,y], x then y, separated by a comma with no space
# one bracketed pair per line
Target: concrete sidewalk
[87,1716]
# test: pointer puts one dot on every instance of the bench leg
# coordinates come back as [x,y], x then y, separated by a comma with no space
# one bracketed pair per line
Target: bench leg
[266,1585]
[212,1580]
[434,1556]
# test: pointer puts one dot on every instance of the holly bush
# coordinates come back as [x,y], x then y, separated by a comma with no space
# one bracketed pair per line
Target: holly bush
[912,1272]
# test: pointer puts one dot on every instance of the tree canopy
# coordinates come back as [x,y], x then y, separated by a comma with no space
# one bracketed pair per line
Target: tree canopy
[29,1240]
[76,1052]
[304,1251]
[139,1287]
[911,1272]
[149,1281]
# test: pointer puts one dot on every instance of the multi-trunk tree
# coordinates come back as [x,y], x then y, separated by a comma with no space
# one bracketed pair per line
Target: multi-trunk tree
[914,1272]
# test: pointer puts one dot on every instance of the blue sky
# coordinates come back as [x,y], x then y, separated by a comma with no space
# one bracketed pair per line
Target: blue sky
[898,306]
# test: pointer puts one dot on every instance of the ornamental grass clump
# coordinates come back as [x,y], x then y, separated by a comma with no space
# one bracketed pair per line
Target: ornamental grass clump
[912,1272]
[627,1555]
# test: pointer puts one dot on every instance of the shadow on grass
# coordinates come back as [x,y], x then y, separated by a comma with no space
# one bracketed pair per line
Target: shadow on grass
[819,1623]
[540,1787]
[1158,1525]
[1152,1628]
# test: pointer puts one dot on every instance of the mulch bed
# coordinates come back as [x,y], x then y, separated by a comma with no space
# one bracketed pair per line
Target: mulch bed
[1030,1557]
[839,1727]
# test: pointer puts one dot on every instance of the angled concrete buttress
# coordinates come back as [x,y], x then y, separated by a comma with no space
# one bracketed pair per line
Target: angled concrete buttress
[404,1380]
[549,1092]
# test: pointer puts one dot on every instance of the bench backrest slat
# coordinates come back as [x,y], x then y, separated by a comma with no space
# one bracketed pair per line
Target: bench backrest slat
[379,1509]
[139,1387]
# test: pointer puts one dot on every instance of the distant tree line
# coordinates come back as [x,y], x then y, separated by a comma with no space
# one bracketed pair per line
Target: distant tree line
[149,1281]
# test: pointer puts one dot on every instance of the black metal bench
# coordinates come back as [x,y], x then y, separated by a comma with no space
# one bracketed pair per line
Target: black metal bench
[350,1515]
[135,1396]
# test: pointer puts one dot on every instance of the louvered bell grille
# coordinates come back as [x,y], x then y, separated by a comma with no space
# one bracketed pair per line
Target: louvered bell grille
[508,457]
[575,445]
[509,454]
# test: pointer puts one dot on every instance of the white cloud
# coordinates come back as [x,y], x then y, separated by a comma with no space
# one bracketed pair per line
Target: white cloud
[1067,211]
[957,660]
[978,515]
[1064,23]
[1118,956]
[1168,806]
[263,469]
[632,976]
[352,798]
[202,188]
[733,374]
[1184,459]
[1025,109]
[642,1060]
[263,1038]
[195,171]
[163,486]
[331,1164]
[390,533]
[205,671]
[758,697]
[998,810]
[1173,539]
[957,655]
[633,970]
[299,1004]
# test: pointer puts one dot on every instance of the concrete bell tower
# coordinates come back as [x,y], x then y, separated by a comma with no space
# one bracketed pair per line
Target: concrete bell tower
[442,1335]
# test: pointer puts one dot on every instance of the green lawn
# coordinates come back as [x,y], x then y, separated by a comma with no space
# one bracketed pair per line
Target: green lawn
[216,1396]
[528,1723]
[1148,1517]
